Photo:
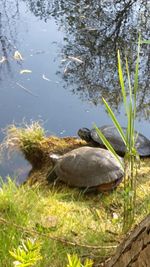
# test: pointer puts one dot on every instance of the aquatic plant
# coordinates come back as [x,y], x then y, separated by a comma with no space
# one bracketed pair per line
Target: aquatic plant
[131,158]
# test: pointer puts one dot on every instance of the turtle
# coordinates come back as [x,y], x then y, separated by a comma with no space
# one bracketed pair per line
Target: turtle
[111,133]
[89,167]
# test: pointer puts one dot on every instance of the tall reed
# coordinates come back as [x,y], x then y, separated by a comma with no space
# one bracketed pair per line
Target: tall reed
[131,158]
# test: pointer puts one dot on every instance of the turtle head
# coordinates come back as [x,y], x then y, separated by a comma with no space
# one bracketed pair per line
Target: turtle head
[85,134]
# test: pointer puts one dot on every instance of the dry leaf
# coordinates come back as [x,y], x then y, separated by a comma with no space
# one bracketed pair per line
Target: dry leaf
[2,59]
[17,56]
[50,221]
[25,71]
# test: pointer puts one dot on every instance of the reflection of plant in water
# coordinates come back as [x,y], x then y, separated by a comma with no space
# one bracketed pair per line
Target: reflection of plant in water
[8,32]
[41,9]
[96,35]
[94,32]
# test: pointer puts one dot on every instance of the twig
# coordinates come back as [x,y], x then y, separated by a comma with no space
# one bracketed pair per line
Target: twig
[66,68]
[26,90]
[75,59]
[58,239]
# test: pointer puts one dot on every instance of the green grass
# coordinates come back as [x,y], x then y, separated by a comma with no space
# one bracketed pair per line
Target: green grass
[26,138]
[23,137]
[64,220]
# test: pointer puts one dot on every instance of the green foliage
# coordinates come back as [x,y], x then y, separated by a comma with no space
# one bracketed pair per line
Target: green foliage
[27,254]
[74,261]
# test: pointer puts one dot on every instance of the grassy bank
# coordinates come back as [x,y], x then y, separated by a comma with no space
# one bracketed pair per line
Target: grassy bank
[63,219]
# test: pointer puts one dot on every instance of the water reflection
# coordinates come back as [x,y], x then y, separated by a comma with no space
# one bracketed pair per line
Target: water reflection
[94,30]
[14,166]
[9,16]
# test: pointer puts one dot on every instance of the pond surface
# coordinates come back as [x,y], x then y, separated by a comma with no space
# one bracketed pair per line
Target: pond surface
[70,48]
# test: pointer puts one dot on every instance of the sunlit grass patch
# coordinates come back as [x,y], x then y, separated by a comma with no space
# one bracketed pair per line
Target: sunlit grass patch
[14,214]
[65,220]
[26,138]
[23,137]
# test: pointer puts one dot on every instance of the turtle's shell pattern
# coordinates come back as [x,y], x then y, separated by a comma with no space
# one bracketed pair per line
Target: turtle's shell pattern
[142,143]
[88,167]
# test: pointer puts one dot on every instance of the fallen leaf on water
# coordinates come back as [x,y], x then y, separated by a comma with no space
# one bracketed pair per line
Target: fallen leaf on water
[2,59]
[44,77]
[25,71]
[17,56]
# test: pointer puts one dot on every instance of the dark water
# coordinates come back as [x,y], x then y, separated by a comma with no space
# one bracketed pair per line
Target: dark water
[70,47]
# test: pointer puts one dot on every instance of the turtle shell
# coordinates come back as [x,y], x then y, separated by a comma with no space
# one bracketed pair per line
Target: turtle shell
[89,167]
[142,143]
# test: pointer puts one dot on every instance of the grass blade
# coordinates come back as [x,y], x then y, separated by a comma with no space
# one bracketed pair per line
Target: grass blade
[145,42]
[129,80]
[130,126]
[130,130]
[136,74]
[115,121]
[122,82]
[108,145]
